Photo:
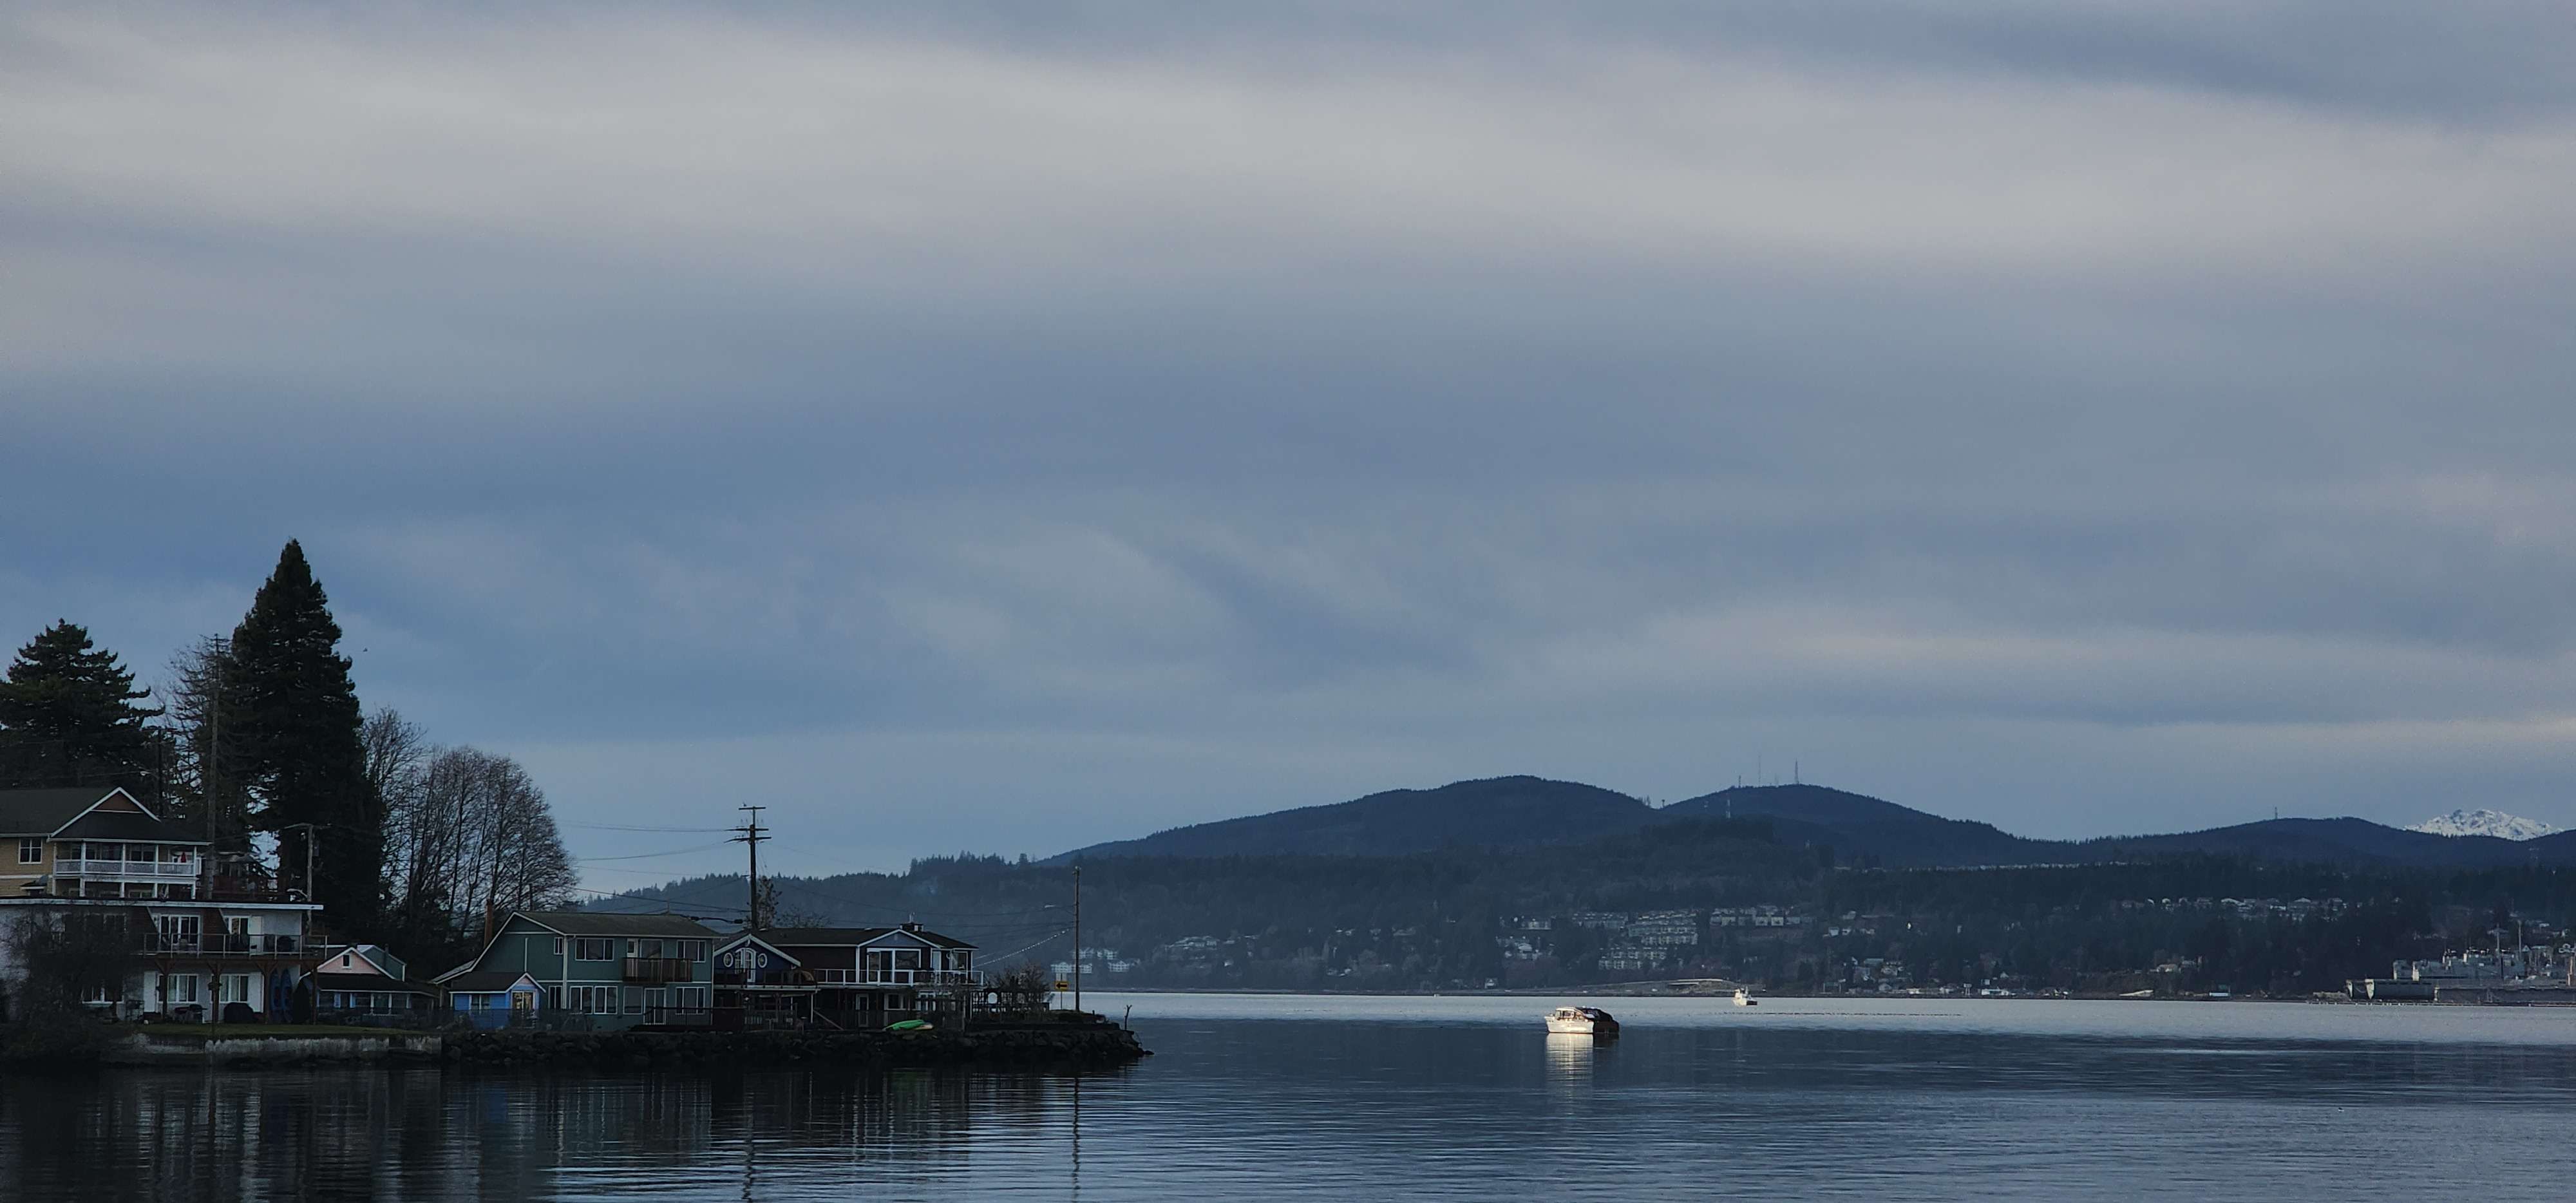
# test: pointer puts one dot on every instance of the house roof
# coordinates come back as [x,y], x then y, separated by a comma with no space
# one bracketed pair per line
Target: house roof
[596,923]
[847,936]
[69,814]
[741,938]
[327,979]
[115,825]
[44,811]
[488,981]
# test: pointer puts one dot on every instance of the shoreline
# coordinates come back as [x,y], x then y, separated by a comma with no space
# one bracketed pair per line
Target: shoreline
[1087,1045]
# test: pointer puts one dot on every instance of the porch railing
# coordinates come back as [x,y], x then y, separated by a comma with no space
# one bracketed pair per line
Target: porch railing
[224,944]
[149,870]
[920,977]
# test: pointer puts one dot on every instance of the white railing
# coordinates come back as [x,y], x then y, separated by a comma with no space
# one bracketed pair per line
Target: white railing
[147,869]
[921,977]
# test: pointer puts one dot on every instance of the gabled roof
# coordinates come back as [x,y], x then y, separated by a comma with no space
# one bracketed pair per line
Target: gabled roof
[44,811]
[332,979]
[601,923]
[590,923]
[749,938]
[491,981]
[110,825]
[369,958]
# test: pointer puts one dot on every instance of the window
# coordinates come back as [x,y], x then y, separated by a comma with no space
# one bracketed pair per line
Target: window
[30,851]
[589,948]
[232,988]
[695,950]
[177,932]
[594,1000]
[558,945]
[182,989]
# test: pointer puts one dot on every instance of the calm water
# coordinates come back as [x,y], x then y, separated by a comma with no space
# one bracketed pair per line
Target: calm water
[1352,1099]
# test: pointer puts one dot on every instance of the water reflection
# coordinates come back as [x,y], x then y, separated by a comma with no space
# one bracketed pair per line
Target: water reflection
[1372,1107]
[1569,1060]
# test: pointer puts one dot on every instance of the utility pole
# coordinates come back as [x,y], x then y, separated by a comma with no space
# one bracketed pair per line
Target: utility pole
[751,836]
[1077,938]
[312,834]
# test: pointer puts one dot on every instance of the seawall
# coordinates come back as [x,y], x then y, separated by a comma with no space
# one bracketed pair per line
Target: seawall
[1051,1046]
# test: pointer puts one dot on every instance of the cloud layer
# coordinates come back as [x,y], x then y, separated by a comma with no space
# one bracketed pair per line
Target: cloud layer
[1012,427]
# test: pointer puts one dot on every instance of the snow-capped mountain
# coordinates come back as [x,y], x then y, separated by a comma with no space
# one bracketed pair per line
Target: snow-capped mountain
[2485,822]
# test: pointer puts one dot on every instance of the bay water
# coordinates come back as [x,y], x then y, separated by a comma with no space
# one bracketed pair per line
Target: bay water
[1350,1098]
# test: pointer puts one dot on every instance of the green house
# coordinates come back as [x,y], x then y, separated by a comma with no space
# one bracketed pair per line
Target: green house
[604,971]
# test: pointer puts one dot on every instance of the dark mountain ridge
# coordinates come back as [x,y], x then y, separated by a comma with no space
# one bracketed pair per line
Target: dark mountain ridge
[1495,812]
[1523,811]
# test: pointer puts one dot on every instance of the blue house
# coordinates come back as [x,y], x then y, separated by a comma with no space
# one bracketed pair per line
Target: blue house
[496,998]
[603,970]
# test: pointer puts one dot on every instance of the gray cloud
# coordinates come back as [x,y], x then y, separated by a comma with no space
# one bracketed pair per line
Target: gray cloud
[1014,426]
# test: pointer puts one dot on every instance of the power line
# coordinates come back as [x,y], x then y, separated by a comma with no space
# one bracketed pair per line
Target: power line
[651,855]
[654,830]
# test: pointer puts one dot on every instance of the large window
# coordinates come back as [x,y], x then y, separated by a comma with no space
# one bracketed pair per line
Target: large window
[695,950]
[31,851]
[591,948]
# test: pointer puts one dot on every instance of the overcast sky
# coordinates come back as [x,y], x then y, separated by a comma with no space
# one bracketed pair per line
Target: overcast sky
[1019,427]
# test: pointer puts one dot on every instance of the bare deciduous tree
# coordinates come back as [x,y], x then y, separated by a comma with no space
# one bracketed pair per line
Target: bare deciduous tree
[467,834]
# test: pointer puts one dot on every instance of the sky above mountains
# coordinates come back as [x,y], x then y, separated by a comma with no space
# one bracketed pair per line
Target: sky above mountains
[1013,427]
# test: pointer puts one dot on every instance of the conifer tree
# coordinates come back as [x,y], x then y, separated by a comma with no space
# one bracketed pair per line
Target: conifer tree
[296,722]
[68,717]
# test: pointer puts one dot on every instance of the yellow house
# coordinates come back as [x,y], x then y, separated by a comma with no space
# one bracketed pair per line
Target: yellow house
[93,843]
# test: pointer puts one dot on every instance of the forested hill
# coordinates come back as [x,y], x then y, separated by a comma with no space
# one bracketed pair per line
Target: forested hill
[1684,897]
[1501,812]
[1523,812]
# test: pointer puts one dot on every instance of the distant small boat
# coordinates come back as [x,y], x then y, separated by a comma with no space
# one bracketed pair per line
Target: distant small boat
[1582,1021]
[1743,999]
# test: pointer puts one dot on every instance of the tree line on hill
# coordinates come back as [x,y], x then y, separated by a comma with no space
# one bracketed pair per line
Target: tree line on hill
[1445,919]
[257,743]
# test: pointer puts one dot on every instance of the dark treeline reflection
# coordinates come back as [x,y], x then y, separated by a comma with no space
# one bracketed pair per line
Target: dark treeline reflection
[399,1134]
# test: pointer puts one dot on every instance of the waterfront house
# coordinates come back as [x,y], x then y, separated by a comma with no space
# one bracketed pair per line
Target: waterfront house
[849,977]
[93,843]
[496,998]
[365,984]
[204,948]
[614,971]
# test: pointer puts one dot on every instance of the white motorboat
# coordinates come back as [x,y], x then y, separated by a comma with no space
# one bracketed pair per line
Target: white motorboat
[1582,1021]
[1744,999]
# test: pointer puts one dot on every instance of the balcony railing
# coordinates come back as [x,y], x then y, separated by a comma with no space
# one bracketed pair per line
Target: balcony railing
[225,944]
[660,969]
[920,977]
[148,870]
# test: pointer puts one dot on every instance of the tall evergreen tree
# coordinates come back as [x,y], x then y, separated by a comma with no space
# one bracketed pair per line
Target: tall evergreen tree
[296,727]
[69,716]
